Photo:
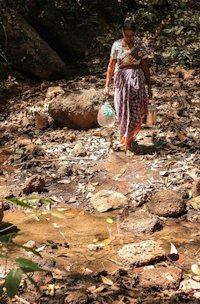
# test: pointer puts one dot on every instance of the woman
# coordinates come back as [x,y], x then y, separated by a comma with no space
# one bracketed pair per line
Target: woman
[129,65]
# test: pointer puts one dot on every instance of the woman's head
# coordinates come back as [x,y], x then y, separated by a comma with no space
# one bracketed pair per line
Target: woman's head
[129,30]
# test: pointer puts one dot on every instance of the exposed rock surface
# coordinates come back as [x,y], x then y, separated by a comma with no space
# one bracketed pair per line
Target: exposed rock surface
[105,200]
[29,53]
[69,27]
[77,110]
[142,253]
[141,221]
[167,203]
[161,278]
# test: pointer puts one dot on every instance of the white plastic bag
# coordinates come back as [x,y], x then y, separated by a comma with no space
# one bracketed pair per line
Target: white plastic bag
[106,115]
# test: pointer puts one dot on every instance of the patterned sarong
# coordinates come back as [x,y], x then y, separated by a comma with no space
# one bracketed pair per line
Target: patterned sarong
[130,102]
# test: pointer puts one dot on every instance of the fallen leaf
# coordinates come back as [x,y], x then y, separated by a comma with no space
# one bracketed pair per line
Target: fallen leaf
[106,281]
[173,249]
[109,220]
[195,202]
[56,225]
[190,194]
[51,290]
[196,269]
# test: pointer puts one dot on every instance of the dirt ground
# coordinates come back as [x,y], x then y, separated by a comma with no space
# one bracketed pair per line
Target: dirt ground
[80,245]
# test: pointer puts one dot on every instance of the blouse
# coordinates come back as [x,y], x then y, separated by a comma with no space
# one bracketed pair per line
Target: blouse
[118,51]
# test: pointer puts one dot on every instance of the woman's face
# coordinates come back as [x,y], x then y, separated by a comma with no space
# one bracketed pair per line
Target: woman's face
[128,36]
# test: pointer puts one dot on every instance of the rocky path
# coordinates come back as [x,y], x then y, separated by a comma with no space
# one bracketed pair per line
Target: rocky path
[117,227]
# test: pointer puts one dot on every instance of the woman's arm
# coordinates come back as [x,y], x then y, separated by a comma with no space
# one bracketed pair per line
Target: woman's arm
[110,72]
[145,68]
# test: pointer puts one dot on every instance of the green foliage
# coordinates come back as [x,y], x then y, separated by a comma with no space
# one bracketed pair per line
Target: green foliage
[29,202]
[14,277]
[12,282]
[25,266]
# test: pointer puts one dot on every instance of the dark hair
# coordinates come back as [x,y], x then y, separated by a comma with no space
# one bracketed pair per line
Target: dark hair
[129,24]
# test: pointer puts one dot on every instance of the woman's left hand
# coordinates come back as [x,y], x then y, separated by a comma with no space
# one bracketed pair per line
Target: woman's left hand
[150,94]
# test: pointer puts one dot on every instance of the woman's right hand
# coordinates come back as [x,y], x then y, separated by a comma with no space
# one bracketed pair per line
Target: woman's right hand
[106,91]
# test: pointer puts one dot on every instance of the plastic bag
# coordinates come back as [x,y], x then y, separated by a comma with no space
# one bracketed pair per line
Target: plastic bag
[106,115]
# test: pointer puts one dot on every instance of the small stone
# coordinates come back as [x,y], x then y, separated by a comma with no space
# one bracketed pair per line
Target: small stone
[140,222]
[34,184]
[41,121]
[161,278]
[79,150]
[65,170]
[105,200]
[30,244]
[53,92]
[142,253]
[23,141]
[167,203]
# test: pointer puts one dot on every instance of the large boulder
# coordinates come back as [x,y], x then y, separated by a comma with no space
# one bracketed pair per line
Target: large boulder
[27,51]
[71,26]
[76,110]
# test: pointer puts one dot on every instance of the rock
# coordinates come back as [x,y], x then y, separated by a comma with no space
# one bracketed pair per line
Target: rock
[41,121]
[23,141]
[27,51]
[65,170]
[52,92]
[30,244]
[105,200]
[141,221]
[61,23]
[76,111]
[79,150]
[70,137]
[34,184]
[167,203]
[160,278]
[142,253]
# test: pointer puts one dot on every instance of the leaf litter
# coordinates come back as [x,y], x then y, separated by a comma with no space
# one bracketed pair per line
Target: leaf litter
[68,161]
